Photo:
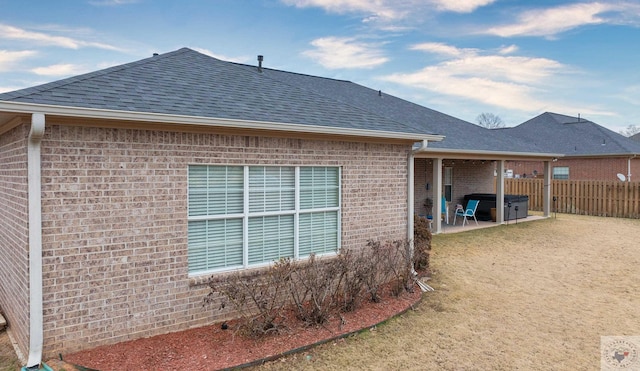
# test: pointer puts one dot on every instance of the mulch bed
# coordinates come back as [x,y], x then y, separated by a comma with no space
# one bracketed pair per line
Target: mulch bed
[212,348]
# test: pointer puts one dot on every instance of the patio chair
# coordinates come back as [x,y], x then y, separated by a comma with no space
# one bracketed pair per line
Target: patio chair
[470,211]
[444,210]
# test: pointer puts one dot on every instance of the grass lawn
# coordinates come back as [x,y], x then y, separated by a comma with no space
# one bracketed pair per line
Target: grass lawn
[531,296]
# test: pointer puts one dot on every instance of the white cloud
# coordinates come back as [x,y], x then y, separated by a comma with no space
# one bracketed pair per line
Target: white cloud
[8,58]
[15,33]
[337,53]
[60,70]
[384,11]
[374,8]
[509,82]
[443,49]
[460,6]
[551,21]
[508,49]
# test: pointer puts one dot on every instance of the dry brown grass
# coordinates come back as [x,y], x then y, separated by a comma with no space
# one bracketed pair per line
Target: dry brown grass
[8,359]
[531,296]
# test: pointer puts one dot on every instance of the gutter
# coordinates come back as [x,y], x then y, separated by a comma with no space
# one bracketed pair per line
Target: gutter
[35,242]
[490,155]
[149,117]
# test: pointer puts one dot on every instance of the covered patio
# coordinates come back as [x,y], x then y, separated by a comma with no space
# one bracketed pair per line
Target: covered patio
[471,224]
[442,178]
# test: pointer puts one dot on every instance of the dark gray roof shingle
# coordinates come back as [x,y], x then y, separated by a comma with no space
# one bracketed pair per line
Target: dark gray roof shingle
[185,82]
[573,136]
[460,134]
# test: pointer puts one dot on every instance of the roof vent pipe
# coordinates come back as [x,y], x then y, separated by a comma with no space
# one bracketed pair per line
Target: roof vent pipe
[260,59]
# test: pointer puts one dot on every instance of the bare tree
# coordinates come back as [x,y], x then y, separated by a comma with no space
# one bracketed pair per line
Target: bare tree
[630,130]
[490,121]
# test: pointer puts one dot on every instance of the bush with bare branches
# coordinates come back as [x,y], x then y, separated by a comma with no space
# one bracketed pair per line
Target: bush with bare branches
[259,301]
[318,288]
[315,286]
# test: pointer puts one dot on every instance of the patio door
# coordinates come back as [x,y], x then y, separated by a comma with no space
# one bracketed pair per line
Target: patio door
[448,183]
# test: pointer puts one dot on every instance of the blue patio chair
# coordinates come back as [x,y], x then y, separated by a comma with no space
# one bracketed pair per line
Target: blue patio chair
[470,211]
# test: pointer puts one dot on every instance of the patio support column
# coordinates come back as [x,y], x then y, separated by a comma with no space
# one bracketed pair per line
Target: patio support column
[546,190]
[437,195]
[500,192]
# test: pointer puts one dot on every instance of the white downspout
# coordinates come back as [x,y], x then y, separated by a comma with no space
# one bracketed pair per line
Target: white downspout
[35,241]
[629,168]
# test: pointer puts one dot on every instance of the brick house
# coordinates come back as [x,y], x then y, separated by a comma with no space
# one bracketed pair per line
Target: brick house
[116,187]
[591,152]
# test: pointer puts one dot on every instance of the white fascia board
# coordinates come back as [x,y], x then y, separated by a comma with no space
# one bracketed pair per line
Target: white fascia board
[488,155]
[585,156]
[94,113]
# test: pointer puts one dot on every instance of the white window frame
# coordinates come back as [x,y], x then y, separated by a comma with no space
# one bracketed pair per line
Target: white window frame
[306,216]
[447,181]
[563,175]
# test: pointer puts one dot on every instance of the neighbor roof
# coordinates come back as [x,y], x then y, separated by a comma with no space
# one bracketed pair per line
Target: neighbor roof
[188,83]
[573,136]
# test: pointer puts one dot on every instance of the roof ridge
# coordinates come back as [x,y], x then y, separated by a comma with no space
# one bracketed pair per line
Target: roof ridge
[314,92]
[363,109]
[618,138]
[283,71]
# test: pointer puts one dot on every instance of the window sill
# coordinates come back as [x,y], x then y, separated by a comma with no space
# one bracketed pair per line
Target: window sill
[207,278]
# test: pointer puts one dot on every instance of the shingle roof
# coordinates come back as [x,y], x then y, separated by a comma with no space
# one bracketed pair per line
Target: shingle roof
[185,82]
[573,136]
[460,134]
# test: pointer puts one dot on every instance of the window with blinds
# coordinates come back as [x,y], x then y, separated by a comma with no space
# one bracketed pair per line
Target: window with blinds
[242,216]
[561,172]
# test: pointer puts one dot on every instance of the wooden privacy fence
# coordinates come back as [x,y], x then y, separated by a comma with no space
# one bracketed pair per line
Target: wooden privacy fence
[585,197]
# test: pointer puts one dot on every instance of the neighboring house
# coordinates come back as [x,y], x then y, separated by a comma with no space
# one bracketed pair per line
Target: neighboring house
[123,190]
[591,152]
[635,137]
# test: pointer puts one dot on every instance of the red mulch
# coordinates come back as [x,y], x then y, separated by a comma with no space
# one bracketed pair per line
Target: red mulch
[211,348]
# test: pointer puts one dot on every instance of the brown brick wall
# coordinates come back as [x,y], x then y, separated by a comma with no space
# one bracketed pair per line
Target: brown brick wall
[115,222]
[14,234]
[582,169]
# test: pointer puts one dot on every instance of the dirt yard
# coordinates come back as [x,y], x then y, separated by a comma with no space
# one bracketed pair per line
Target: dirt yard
[531,296]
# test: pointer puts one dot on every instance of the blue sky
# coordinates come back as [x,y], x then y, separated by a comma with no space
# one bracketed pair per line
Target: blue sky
[515,59]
